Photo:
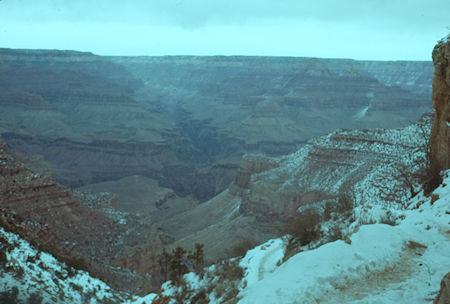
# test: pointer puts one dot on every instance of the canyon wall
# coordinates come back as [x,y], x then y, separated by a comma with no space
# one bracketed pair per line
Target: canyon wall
[187,121]
[440,133]
[365,165]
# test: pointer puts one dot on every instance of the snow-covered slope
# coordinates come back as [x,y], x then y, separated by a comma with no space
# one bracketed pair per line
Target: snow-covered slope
[38,275]
[365,160]
[381,264]
[377,263]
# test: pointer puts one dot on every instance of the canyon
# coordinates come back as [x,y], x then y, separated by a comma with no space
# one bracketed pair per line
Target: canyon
[186,121]
[150,153]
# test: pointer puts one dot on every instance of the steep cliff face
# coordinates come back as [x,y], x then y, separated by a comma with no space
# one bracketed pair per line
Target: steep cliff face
[440,134]
[74,226]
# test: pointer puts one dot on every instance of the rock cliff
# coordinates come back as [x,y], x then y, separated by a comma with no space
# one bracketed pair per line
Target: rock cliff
[440,134]
[81,229]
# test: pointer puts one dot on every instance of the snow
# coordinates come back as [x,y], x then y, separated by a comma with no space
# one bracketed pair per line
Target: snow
[381,264]
[148,299]
[262,260]
[235,210]
[361,114]
[377,263]
[34,271]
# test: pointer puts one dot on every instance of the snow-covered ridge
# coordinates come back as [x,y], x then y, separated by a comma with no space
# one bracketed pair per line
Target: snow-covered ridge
[365,162]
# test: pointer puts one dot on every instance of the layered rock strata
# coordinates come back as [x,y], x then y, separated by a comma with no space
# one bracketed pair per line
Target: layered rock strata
[368,166]
[83,230]
[186,121]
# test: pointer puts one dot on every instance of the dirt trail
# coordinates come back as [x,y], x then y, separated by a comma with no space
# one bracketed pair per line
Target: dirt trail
[357,291]
[263,262]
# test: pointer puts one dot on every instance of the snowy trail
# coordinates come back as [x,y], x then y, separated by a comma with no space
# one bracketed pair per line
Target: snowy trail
[382,264]
[262,269]
[262,260]
[365,288]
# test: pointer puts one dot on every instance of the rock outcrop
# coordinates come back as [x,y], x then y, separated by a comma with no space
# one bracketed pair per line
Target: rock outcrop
[440,134]
[444,293]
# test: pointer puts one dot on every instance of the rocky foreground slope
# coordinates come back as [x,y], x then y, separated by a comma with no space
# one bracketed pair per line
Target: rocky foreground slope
[83,230]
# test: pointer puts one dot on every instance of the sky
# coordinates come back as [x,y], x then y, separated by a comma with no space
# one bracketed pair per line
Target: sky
[357,29]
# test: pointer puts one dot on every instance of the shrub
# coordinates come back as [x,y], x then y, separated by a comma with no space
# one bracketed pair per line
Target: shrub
[223,281]
[303,228]
[35,298]
[434,198]
[200,298]
[335,233]
[292,249]
[177,265]
[162,300]
[230,271]
[164,259]
[346,199]
[31,259]
[174,265]
[19,273]
[197,258]
[3,257]
[404,175]
[76,287]
[229,274]
[10,297]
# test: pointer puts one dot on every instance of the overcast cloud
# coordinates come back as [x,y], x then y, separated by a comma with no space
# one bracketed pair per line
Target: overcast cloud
[360,29]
